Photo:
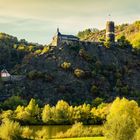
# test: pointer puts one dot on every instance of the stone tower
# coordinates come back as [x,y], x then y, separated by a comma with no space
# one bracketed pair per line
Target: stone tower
[110,31]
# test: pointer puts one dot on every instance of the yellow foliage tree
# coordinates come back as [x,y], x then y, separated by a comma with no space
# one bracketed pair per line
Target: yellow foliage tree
[66,65]
[123,120]
[79,73]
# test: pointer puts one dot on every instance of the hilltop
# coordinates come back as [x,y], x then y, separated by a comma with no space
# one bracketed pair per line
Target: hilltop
[130,31]
[77,73]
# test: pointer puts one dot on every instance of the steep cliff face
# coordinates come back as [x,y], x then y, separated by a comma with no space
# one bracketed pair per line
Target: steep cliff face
[77,73]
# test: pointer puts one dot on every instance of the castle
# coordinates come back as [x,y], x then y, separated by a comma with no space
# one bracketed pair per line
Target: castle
[61,38]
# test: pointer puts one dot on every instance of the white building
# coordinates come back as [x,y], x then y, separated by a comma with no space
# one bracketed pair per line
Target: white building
[5,73]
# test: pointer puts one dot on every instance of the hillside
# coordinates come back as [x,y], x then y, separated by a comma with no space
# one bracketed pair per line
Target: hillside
[12,50]
[130,31]
[76,73]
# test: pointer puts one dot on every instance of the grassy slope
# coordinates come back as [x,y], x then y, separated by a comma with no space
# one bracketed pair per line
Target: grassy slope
[85,138]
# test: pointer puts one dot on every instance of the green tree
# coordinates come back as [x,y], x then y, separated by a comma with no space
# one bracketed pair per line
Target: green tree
[123,42]
[97,101]
[13,102]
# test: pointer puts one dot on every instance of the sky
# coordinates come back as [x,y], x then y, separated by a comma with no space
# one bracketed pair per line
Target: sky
[37,20]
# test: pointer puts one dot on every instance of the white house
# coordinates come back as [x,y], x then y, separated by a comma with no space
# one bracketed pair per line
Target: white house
[5,73]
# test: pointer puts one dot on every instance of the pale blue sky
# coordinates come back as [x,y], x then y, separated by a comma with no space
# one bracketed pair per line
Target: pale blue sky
[37,20]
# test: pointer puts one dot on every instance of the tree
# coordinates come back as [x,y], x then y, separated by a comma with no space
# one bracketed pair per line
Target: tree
[62,112]
[123,120]
[13,102]
[47,114]
[21,114]
[123,42]
[79,73]
[85,113]
[33,111]
[65,65]
[136,41]
[30,114]
[122,128]
[87,32]
[97,101]
[94,89]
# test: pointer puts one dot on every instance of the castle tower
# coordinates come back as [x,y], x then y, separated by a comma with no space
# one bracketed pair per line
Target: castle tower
[110,31]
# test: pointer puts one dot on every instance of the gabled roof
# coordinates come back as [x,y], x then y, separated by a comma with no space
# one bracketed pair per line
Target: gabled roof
[4,71]
[69,36]
[66,36]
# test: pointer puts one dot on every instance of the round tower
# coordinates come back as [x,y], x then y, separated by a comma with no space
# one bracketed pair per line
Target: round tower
[110,31]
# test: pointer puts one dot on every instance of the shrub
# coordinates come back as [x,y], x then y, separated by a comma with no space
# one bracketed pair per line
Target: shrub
[94,89]
[32,74]
[85,55]
[79,73]
[98,65]
[45,50]
[94,73]
[118,83]
[66,65]
[125,90]
[123,42]
[21,47]
[37,52]
[107,44]
[48,77]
